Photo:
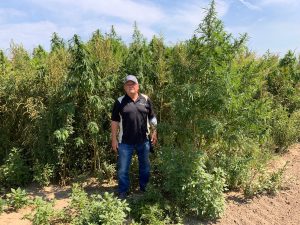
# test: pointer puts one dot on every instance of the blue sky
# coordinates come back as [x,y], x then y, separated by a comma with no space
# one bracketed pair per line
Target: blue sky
[270,24]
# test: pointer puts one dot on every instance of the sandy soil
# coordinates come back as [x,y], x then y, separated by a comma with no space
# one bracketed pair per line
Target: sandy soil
[281,209]
[60,194]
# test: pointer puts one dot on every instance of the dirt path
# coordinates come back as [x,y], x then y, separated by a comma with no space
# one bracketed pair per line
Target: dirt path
[60,194]
[281,209]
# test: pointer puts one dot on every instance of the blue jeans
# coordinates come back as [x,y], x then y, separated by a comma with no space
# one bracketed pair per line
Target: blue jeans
[124,160]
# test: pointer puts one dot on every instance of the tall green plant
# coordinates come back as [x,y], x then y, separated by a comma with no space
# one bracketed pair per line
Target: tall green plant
[15,172]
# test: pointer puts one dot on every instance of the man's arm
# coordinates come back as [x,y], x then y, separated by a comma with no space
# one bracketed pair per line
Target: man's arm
[115,120]
[114,133]
[153,123]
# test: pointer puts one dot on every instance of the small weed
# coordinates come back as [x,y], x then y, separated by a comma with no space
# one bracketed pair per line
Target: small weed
[153,208]
[2,205]
[97,209]
[108,209]
[14,172]
[265,183]
[43,213]
[43,174]
[107,172]
[17,198]
[79,198]
[153,214]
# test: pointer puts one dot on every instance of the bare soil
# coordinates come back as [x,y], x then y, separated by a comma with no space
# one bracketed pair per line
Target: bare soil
[280,209]
[59,193]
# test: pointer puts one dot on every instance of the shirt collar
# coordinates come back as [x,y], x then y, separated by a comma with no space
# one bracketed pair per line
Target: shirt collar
[138,98]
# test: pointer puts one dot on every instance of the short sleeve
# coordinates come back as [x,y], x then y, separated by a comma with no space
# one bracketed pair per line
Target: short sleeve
[115,115]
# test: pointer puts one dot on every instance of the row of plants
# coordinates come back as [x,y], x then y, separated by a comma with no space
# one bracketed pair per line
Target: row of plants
[223,112]
[83,209]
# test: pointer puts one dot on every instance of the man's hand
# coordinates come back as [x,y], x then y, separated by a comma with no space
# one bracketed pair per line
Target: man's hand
[114,145]
[154,137]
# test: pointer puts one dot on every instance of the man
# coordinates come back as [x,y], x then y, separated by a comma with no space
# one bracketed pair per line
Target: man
[132,116]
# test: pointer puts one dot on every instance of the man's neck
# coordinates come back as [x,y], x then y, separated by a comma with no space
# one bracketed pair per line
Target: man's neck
[134,97]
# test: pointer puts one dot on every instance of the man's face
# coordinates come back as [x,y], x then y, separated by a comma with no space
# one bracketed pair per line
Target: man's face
[131,87]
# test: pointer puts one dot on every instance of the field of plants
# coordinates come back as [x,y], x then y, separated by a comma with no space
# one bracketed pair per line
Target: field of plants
[223,113]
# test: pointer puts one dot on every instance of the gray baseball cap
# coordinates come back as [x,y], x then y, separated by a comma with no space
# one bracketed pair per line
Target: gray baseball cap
[131,78]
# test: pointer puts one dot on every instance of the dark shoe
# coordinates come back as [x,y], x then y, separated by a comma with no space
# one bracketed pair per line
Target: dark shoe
[122,196]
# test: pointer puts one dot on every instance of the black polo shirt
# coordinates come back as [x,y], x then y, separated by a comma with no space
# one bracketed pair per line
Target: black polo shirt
[133,117]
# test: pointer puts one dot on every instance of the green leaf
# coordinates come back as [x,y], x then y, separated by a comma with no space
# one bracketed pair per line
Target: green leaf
[93,127]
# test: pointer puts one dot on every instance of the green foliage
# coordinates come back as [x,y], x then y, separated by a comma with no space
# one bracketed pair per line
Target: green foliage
[108,209]
[97,209]
[61,134]
[285,129]
[189,185]
[14,172]
[79,198]
[221,109]
[153,214]
[153,208]
[93,128]
[2,205]
[108,171]
[205,193]
[17,198]
[295,124]
[283,82]
[43,174]
[56,42]
[265,182]
[237,169]
[137,60]
[44,212]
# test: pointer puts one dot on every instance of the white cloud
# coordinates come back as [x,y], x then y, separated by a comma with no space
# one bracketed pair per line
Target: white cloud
[250,5]
[67,17]
[89,15]
[281,2]
[265,34]
[81,17]
[222,8]
[8,13]
[184,20]
[187,14]
[126,10]
[31,34]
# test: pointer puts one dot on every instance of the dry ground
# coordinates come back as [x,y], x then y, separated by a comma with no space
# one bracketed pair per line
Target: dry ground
[281,209]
